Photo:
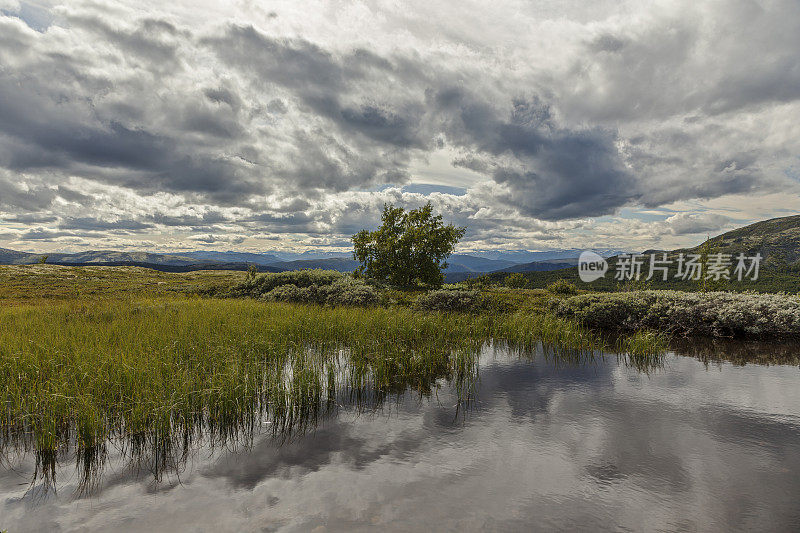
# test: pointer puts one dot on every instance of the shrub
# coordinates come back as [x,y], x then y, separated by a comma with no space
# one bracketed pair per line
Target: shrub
[260,285]
[480,282]
[719,314]
[349,291]
[287,293]
[449,300]
[343,291]
[515,280]
[563,287]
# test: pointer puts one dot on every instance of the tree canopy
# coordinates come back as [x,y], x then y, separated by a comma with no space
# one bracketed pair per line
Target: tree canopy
[409,248]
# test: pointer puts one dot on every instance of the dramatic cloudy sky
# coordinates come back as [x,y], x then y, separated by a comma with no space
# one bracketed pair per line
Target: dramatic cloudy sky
[284,125]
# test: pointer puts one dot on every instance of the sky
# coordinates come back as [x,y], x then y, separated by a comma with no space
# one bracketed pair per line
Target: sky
[259,126]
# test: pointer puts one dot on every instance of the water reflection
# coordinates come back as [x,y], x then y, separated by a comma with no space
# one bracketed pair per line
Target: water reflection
[538,442]
[739,352]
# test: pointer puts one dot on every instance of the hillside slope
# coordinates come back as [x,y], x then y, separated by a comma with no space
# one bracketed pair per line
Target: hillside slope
[13,257]
[777,240]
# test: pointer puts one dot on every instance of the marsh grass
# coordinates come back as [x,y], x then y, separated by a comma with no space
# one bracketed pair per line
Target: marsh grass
[159,374]
[94,357]
[643,349]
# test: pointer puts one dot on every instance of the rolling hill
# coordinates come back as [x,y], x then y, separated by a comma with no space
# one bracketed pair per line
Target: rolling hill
[234,257]
[777,240]
[538,266]
[471,263]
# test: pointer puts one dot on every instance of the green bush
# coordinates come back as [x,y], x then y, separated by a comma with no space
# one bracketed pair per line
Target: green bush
[563,287]
[449,300]
[288,293]
[343,291]
[260,285]
[515,280]
[718,314]
[349,291]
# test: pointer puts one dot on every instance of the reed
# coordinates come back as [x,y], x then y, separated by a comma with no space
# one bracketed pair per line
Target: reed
[643,349]
[77,374]
[158,374]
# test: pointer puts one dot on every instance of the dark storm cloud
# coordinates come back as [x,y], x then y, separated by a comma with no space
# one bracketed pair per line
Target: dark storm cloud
[606,43]
[202,121]
[15,197]
[146,42]
[67,137]
[223,95]
[204,219]
[47,127]
[31,219]
[556,173]
[93,224]
[371,140]
[289,62]
[296,204]
[66,141]
[71,195]
[578,172]
[285,222]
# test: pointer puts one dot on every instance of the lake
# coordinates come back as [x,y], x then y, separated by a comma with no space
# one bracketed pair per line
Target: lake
[697,442]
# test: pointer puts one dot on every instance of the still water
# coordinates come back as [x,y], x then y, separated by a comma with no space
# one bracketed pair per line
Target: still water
[542,444]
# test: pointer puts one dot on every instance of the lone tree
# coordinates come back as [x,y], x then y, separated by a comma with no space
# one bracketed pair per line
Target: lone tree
[409,247]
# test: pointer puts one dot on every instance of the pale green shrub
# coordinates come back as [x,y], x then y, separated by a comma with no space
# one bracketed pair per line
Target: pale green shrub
[343,291]
[449,300]
[287,293]
[515,280]
[262,284]
[349,291]
[719,314]
[563,287]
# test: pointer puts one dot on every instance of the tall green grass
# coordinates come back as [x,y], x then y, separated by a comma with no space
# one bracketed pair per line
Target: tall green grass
[160,373]
[643,349]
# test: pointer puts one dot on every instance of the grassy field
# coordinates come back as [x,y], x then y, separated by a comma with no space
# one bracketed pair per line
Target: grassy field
[30,284]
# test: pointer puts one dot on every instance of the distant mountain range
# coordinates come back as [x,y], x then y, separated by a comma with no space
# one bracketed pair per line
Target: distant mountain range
[13,257]
[460,266]
[525,256]
[538,266]
[234,257]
